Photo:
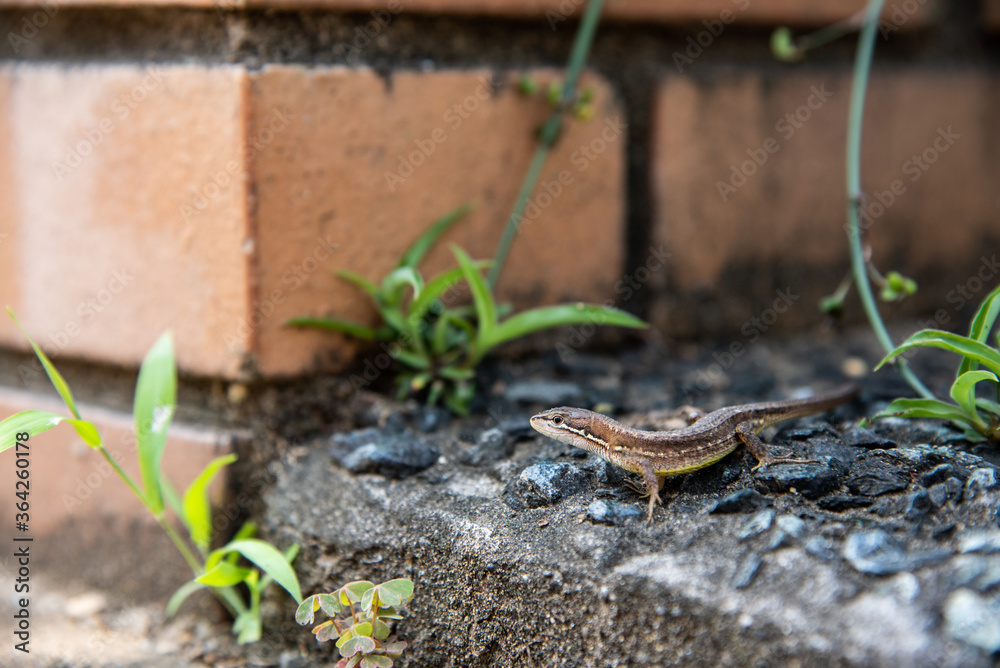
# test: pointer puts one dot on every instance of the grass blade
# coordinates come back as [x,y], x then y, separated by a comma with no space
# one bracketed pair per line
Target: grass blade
[359,281]
[223,574]
[546,317]
[963,391]
[31,422]
[335,325]
[486,308]
[54,376]
[269,560]
[181,595]
[437,286]
[981,326]
[921,408]
[155,402]
[935,338]
[197,508]
[416,252]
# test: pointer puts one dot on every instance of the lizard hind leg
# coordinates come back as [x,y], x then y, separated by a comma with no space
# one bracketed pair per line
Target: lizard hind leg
[653,484]
[760,451]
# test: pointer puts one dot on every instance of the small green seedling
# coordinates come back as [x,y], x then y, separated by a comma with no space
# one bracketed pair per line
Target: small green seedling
[357,613]
[154,407]
[977,417]
[437,341]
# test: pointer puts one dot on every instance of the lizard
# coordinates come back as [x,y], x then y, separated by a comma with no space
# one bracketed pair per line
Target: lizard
[658,454]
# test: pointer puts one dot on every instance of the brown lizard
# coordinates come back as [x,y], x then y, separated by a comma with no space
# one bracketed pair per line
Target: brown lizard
[658,454]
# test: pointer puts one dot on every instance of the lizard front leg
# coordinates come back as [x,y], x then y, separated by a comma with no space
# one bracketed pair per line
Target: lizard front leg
[760,451]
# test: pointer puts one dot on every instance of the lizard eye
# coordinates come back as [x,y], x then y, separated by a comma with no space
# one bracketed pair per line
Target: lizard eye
[557,420]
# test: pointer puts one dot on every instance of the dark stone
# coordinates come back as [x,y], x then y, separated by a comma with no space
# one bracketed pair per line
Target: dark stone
[615,513]
[543,484]
[491,445]
[817,448]
[810,480]
[429,419]
[839,504]
[877,553]
[917,505]
[808,431]
[747,570]
[877,482]
[546,392]
[866,438]
[743,501]
[942,472]
[943,492]
[713,479]
[979,481]
[605,472]
[394,453]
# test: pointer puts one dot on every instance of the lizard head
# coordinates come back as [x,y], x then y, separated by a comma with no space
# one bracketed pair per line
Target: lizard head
[569,425]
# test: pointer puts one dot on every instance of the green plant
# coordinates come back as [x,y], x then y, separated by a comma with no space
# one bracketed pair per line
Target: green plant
[357,612]
[979,418]
[893,286]
[153,410]
[437,344]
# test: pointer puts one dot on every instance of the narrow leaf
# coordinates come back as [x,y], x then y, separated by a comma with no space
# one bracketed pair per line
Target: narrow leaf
[197,509]
[438,285]
[54,376]
[963,391]
[335,325]
[172,498]
[981,326]
[155,401]
[561,315]
[486,310]
[86,430]
[359,281]
[289,556]
[394,285]
[249,627]
[30,422]
[181,595]
[269,560]
[921,408]
[426,241]
[935,338]
[223,574]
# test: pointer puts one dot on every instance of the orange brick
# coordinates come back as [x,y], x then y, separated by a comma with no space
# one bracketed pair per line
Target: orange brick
[70,483]
[335,191]
[101,255]
[789,211]
[555,12]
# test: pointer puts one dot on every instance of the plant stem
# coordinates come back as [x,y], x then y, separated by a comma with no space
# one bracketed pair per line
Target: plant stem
[121,473]
[182,547]
[549,133]
[862,65]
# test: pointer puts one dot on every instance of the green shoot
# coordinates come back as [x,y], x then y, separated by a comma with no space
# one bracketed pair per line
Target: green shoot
[358,612]
[154,406]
